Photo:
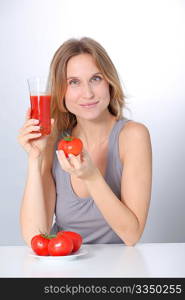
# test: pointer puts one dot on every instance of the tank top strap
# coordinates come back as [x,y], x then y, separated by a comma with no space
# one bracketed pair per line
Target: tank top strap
[114,164]
[114,136]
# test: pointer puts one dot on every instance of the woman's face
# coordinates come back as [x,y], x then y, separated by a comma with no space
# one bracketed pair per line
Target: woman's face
[87,94]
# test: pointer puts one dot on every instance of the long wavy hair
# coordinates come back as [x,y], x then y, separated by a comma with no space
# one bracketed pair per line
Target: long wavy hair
[64,119]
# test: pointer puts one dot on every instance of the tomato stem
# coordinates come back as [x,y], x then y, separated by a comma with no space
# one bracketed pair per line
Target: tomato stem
[48,236]
[68,138]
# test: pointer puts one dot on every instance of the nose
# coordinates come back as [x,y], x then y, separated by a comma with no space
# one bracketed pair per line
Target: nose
[87,91]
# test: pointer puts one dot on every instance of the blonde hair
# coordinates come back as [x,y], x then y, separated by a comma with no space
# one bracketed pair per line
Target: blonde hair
[58,82]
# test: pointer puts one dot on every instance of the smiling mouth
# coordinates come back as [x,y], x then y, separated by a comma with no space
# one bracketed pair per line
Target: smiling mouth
[89,104]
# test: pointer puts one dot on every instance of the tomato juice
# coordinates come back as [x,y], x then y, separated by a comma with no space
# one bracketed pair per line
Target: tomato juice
[40,110]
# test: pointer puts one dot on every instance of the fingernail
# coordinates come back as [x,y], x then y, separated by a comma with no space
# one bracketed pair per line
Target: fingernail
[36,121]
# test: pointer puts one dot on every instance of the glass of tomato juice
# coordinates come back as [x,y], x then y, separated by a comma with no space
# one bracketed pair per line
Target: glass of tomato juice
[40,99]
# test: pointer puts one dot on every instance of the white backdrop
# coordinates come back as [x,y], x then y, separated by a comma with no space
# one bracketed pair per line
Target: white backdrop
[146,41]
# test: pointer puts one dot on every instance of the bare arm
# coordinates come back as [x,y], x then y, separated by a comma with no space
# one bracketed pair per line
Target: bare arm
[128,216]
[37,208]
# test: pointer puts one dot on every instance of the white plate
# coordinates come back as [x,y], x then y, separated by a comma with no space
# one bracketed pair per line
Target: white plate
[80,252]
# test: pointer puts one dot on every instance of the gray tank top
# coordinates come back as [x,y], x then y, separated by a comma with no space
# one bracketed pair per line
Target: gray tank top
[73,213]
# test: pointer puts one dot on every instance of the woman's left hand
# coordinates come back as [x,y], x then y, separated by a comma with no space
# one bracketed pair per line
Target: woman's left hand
[81,166]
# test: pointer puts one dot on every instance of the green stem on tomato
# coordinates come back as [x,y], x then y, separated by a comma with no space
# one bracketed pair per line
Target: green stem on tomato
[49,236]
[68,138]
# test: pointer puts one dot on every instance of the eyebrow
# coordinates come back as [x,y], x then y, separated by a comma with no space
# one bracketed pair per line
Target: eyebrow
[75,77]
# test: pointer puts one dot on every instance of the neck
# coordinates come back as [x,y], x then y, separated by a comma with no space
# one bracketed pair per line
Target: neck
[94,133]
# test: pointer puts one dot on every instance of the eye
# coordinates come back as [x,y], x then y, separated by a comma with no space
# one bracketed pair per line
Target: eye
[96,78]
[74,82]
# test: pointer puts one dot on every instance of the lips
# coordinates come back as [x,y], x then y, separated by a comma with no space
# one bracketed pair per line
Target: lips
[90,104]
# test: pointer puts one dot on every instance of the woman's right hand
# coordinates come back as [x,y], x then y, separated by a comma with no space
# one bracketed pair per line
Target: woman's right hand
[32,141]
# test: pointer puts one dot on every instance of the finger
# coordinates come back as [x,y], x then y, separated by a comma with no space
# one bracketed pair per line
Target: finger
[74,160]
[63,160]
[31,122]
[29,129]
[30,136]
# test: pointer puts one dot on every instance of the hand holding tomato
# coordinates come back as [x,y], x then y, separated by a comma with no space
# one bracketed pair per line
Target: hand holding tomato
[81,166]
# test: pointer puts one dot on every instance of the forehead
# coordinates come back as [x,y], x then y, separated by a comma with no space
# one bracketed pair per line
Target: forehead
[81,64]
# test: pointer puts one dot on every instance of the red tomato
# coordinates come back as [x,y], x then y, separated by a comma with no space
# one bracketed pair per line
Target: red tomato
[76,238]
[39,244]
[60,246]
[70,144]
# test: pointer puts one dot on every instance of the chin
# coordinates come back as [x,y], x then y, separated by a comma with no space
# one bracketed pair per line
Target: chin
[90,116]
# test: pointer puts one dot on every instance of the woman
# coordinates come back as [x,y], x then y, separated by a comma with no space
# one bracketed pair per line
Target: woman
[104,193]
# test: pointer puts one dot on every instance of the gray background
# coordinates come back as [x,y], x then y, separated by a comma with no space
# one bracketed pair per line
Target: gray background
[146,41]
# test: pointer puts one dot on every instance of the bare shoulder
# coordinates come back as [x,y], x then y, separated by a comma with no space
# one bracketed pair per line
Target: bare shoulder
[134,129]
[133,135]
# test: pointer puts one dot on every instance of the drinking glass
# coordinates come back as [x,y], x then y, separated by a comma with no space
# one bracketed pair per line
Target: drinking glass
[40,100]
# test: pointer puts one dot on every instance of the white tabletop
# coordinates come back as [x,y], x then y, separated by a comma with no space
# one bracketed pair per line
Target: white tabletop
[102,260]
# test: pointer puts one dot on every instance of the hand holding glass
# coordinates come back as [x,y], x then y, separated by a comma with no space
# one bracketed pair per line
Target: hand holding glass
[40,99]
